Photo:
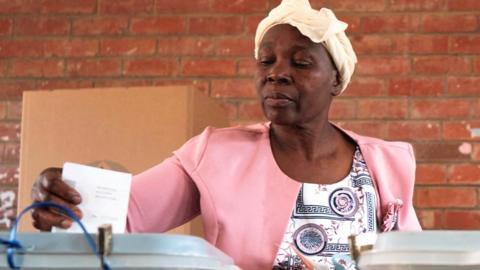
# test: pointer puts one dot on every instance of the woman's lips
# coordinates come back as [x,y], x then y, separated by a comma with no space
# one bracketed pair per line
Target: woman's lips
[278,101]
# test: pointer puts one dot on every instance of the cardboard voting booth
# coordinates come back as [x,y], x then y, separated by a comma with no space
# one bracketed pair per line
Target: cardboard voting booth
[123,129]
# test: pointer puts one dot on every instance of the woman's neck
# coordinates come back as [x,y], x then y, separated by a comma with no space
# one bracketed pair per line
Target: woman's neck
[312,141]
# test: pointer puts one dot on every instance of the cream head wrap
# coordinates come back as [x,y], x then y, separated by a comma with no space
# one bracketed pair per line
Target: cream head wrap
[321,26]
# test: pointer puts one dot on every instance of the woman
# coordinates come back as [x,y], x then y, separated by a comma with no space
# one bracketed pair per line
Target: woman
[284,194]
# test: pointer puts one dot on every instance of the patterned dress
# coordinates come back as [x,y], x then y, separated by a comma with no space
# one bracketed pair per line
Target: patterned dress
[323,218]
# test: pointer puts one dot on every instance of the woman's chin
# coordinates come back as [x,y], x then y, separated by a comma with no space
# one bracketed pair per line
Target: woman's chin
[280,119]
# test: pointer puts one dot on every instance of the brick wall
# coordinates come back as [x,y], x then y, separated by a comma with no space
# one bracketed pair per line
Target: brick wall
[417,79]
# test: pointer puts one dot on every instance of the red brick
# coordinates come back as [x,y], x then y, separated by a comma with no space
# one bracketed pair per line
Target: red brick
[224,25]
[414,131]
[465,44]
[126,7]
[355,5]
[100,26]
[382,108]
[239,6]
[430,219]
[416,87]
[14,110]
[123,82]
[2,151]
[9,132]
[449,23]
[233,89]
[446,197]
[316,4]
[235,47]
[42,26]
[353,21]
[10,176]
[361,86]
[369,44]
[467,5]
[251,23]
[231,108]
[274,3]
[93,68]
[416,5]
[247,67]
[71,48]
[342,109]
[476,109]
[208,67]
[477,65]
[367,128]
[69,83]
[37,68]
[11,153]
[439,152]
[10,7]
[459,130]
[169,6]
[431,44]
[127,47]
[445,108]
[151,67]
[158,25]
[68,6]
[431,174]
[193,46]
[462,219]
[21,48]
[200,85]
[14,89]
[464,174]
[3,68]
[441,65]
[464,86]
[391,23]
[382,65]
[251,110]
[5,27]
[3,114]
[476,152]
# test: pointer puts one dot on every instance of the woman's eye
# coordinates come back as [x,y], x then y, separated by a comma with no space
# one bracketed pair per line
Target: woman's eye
[301,63]
[266,61]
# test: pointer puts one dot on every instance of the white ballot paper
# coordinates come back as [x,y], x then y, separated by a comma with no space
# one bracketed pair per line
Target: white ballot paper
[105,195]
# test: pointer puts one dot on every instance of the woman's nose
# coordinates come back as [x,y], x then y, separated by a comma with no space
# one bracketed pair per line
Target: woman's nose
[279,73]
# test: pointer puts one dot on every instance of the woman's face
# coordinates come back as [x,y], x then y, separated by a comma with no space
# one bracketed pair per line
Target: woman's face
[295,77]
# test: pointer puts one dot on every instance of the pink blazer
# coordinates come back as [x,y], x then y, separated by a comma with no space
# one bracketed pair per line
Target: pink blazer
[230,176]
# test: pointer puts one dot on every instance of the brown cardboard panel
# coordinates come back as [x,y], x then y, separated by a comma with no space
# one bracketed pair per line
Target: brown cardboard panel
[126,129]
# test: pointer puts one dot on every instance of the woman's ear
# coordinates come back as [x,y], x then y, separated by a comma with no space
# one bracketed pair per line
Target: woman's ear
[337,84]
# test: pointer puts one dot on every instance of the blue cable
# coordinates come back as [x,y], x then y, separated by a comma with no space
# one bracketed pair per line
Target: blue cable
[12,243]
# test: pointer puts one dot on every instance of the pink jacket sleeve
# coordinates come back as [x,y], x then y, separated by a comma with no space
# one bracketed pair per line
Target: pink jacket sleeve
[162,198]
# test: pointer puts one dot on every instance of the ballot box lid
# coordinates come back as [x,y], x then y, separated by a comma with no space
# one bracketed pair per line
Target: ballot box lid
[426,250]
[129,251]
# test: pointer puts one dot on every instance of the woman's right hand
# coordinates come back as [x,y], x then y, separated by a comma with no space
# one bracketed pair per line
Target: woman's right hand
[49,187]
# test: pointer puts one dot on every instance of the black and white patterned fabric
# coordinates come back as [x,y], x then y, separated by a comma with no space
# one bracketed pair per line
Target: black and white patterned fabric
[325,216]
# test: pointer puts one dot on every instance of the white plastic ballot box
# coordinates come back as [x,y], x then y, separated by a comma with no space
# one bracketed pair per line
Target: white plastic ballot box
[427,250]
[129,251]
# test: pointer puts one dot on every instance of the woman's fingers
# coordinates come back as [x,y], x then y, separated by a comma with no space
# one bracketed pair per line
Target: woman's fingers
[61,189]
[49,187]
[50,182]
[44,219]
